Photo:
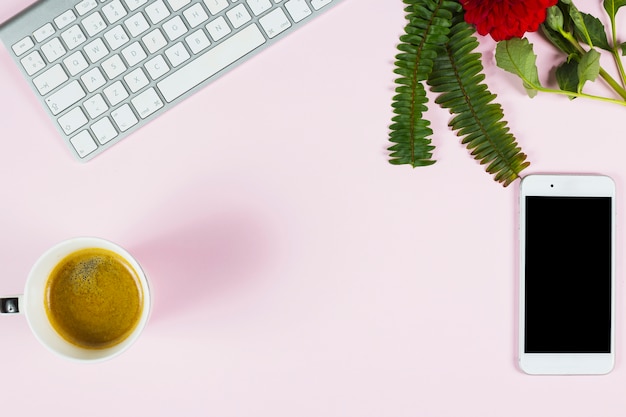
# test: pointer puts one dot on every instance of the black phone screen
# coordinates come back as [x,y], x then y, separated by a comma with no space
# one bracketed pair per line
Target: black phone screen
[568,270]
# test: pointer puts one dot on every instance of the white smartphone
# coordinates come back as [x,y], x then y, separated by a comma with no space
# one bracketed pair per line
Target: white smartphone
[567,279]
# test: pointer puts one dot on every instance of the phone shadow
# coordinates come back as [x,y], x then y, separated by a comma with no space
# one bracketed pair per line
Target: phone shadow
[516,281]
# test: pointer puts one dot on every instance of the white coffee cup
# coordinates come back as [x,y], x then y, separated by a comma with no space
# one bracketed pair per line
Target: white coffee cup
[32,302]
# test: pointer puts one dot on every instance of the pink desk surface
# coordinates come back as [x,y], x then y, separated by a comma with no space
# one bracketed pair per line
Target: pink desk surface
[296,273]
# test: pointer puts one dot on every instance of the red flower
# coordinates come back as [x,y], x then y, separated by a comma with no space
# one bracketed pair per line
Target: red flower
[505,19]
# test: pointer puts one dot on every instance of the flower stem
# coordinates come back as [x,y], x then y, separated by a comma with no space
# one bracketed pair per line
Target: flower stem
[580,95]
[605,75]
[614,50]
[620,66]
[614,84]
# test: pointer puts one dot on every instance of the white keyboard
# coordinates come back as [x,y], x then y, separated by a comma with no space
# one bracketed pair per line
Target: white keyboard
[104,68]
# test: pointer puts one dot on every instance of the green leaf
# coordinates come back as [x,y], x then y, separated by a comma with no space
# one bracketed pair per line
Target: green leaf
[554,18]
[426,33]
[612,6]
[567,76]
[596,32]
[458,78]
[517,56]
[558,40]
[568,25]
[622,47]
[588,67]
[579,24]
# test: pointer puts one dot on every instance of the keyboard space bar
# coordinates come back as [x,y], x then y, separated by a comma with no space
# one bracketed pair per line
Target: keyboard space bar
[214,60]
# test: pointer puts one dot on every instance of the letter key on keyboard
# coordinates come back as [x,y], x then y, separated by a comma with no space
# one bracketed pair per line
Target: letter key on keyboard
[103,68]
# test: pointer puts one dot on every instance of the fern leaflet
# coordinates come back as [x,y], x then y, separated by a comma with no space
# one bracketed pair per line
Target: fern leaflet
[457,76]
[428,25]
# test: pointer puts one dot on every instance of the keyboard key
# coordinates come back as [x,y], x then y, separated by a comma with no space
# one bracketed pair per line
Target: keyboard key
[65,19]
[33,62]
[298,9]
[218,28]
[22,46]
[94,24]
[147,103]
[65,97]
[95,106]
[211,62]
[124,118]
[134,4]
[71,121]
[197,41]
[104,130]
[178,4]
[154,41]
[113,66]
[136,80]
[136,24]
[96,50]
[85,6]
[195,15]
[259,6]
[73,37]
[114,11]
[50,79]
[157,12]
[103,66]
[318,4]
[44,32]
[174,28]
[83,143]
[115,93]
[53,50]
[75,63]
[177,54]
[93,79]
[216,6]
[275,22]
[238,16]
[157,67]
[116,37]
[134,54]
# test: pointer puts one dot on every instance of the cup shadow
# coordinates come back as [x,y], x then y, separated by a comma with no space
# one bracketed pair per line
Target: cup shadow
[202,259]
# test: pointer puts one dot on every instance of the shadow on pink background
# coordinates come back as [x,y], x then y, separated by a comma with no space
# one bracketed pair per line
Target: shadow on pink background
[193,264]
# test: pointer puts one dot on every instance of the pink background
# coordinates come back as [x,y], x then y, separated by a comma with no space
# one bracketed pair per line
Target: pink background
[295,271]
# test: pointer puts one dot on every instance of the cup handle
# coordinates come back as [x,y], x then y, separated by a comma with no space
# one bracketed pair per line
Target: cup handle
[11,304]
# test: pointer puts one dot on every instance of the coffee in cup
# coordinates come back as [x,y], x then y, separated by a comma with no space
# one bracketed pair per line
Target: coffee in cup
[85,298]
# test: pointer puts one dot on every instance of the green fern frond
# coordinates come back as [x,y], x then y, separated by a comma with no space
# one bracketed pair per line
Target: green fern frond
[457,76]
[410,130]
[426,32]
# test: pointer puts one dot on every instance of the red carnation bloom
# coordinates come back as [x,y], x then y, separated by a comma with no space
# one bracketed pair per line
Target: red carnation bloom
[505,19]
